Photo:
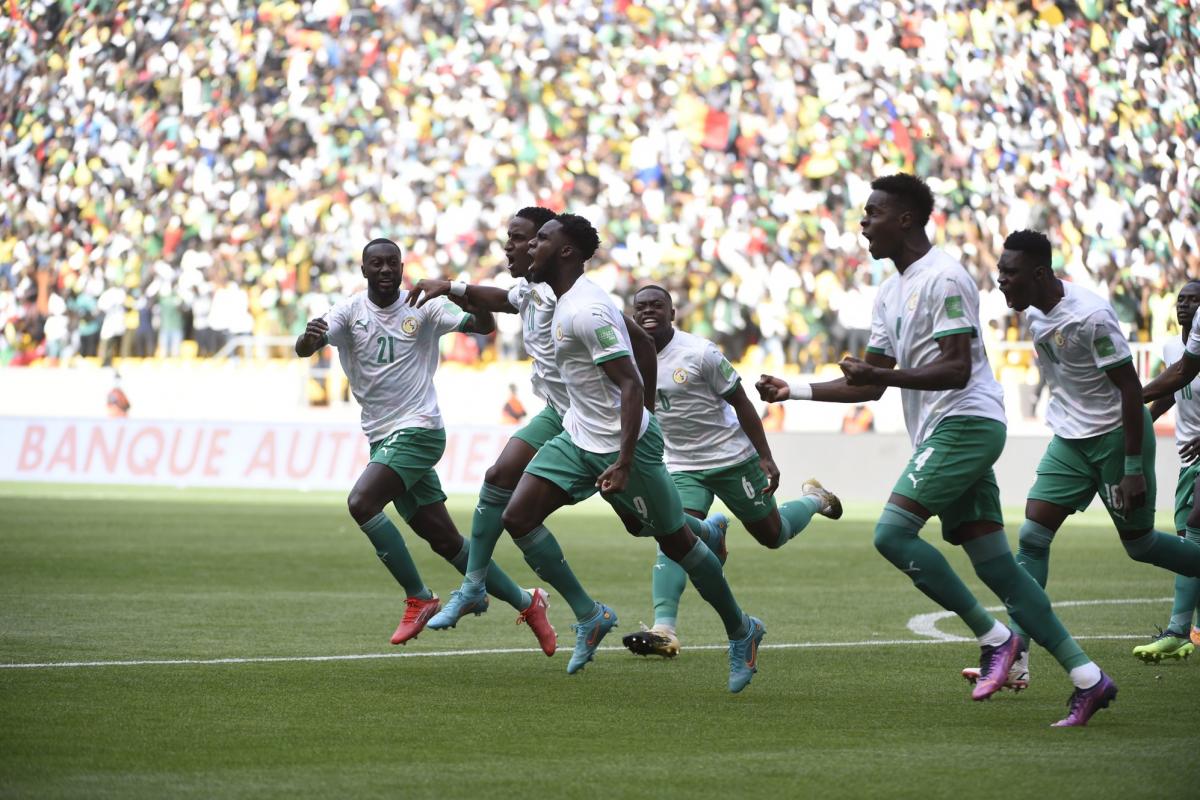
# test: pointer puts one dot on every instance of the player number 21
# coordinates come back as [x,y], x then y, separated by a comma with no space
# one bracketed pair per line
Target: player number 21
[387,346]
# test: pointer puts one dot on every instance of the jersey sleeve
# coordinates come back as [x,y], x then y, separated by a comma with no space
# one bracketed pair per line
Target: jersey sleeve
[955,307]
[1109,348]
[718,374]
[1192,347]
[601,328]
[518,293]
[339,320]
[880,341]
[446,316]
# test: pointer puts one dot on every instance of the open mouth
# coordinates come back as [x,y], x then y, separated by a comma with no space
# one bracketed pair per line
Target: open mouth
[648,323]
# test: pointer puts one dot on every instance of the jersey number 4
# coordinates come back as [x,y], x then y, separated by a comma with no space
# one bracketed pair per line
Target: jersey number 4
[387,349]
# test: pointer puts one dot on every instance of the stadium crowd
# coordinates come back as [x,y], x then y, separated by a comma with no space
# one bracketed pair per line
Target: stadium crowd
[183,172]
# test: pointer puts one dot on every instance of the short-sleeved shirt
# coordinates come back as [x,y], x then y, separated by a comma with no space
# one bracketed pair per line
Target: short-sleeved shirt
[1077,343]
[589,330]
[1187,399]
[1193,339]
[932,299]
[389,356]
[699,426]
[535,303]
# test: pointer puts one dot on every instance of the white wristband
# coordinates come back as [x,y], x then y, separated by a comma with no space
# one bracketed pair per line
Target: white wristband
[798,390]
[458,288]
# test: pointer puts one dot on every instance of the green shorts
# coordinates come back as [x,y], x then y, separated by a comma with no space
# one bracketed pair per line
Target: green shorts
[950,473]
[650,495]
[412,454]
[739,486]
[545,425]
[1185,496]
[1073,471]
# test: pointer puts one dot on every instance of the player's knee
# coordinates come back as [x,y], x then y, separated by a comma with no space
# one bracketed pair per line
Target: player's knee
[497,475]
[362,507]
[517,521]
[1034,540]
[889,541]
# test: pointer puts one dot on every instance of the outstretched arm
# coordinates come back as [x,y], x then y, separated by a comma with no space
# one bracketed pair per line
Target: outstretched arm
[1172,379]
[1161,406]
[480,322]
[477,298]
[775,390]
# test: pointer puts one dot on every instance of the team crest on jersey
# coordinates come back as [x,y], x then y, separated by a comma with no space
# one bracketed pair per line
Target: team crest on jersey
[558,333]
[409,326]
[912,301]
[1060,339]
[537,298]
[680,375]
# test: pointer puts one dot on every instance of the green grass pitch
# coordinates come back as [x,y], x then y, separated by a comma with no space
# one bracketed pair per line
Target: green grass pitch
[848,702]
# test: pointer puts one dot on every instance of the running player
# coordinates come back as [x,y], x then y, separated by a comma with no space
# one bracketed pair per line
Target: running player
[610,443]
[926,320]
[715,445]
[535,305]
[389,352]
[1174,641]
[1103,435]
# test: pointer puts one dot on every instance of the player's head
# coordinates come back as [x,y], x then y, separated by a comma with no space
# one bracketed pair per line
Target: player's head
[652,308]
[1187,303]
[381,267]
[1025,269]
[521,230]
[568,239]
[898,206]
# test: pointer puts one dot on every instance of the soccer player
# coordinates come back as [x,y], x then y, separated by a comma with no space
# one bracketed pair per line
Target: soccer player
[1103,435]
[926,321]
[389,352]
[610,443]
[535,305]
[1174,641]
[715,446]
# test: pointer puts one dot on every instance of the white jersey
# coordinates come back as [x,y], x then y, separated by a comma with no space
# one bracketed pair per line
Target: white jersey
[700,429]
[1077,343]
[588,331]
[932,299]
[535,302]
[389,355]
[1187,399]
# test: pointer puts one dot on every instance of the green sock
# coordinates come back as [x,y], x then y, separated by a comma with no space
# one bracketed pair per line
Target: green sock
[1187,594]
[1026,601]
[1175,553]
[897,539]
[389,546]
[795,516]
[667,582]
[545,557]
[486,528]
[1033,550]
[704,569]
[497,582]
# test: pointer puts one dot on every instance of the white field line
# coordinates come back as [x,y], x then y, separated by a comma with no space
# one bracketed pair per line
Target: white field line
[926,624]
[919,624]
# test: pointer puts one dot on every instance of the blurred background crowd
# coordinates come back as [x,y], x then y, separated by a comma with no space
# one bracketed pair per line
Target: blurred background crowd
[174,174]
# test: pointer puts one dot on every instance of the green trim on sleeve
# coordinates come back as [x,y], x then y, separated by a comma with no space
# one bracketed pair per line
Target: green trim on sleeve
[466,320]
[1115,364]
[611,356]
[879,351]
[726,395]
[324,340]
[955,332]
